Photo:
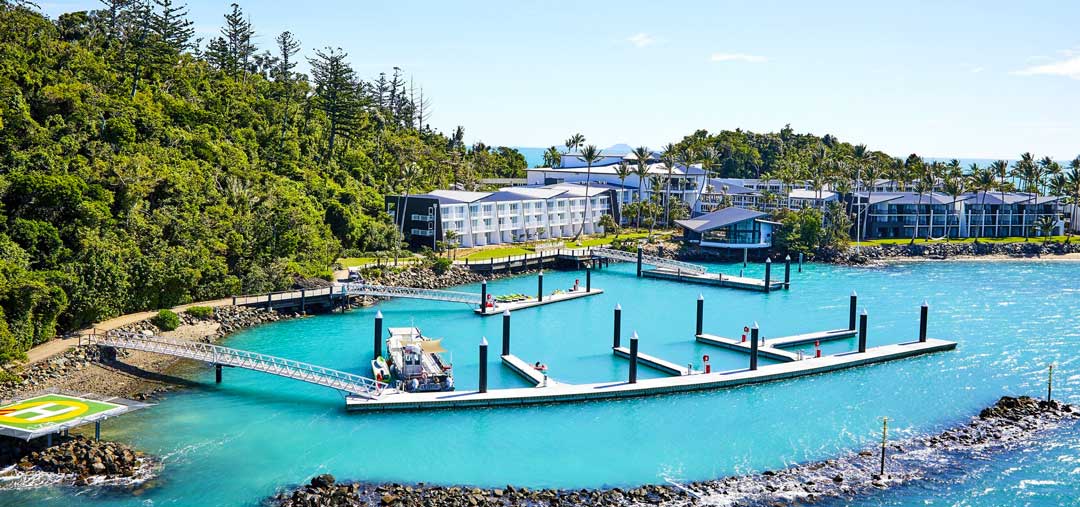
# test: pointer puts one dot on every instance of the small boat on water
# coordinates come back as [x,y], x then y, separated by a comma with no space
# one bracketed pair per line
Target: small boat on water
[415,362]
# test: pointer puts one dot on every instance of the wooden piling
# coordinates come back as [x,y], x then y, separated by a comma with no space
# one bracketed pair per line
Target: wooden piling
[700,315]
[768,274]
[852,310]
[754,346]
[633,358]
[923,314]
[540,286]
[506,333]
[618,327]
[787,272]
[378,334]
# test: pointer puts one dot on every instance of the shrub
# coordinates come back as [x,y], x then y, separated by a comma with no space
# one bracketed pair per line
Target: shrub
[166,320]
[441,265]
[200,312]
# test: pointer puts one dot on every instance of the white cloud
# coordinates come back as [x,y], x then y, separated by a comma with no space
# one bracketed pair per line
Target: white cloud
[641,39]
[1069,67]
[737,57]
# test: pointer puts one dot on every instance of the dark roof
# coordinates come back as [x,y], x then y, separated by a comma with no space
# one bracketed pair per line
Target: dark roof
[720,218]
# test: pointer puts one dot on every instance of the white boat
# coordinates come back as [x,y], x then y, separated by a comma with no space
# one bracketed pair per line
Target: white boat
[416,363]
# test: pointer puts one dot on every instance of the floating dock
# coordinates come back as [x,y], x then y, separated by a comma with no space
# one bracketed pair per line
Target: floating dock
[532,301]
[562,393]
[527,371]
[741,346]
[655,362]
[717,279]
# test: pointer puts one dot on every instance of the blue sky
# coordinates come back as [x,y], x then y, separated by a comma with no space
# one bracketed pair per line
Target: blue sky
[986,79]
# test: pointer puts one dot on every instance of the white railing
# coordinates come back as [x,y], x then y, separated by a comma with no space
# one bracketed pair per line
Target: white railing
[280,296]
[216,354]
[653,260]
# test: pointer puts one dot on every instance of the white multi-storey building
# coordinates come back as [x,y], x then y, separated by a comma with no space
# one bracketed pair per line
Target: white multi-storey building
[509,215]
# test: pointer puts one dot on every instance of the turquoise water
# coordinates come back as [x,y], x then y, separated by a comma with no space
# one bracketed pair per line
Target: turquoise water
[255,433]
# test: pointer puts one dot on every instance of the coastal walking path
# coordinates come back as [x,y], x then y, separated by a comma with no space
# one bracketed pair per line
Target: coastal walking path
[59,345]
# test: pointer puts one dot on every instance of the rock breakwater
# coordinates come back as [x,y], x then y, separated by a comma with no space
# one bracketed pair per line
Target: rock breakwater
[1007,424]
[74,460]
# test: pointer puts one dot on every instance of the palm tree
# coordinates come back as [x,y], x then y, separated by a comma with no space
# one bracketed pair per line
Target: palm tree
[1000,168]
[552,157]
[641,170]
[622,171]
[1031,174]
[574,142]
[954,185]
[872,172]
[1046,226]
[1073,191]
[590,155]
[924,185]
[982,181]
[709,156]
[686,156]
[668,158]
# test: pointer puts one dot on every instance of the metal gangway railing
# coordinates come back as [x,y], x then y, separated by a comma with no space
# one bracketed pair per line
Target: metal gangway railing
[363,289]
[653,260]
[225,356]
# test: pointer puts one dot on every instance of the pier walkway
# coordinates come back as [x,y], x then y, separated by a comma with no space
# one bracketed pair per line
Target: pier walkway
[659,262]
[772,347]
[717,279]
[532,301]
[449,296]
[354,385]
[656,363]
[647,387]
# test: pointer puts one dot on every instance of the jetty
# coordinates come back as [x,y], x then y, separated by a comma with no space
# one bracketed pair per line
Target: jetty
[655,363]
[680,271]
[562,393]
[527,371]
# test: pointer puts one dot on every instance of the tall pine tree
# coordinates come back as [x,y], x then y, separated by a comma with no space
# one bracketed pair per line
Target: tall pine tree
[171,26]
[335,93]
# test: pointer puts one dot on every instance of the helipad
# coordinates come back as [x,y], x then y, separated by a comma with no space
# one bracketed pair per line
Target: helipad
[54,412]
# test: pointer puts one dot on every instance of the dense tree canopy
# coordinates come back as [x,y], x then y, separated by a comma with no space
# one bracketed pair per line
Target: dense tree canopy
[139,171]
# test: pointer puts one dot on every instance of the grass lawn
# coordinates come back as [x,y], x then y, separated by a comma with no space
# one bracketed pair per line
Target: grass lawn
[921,241]
[348,262]
[492,253]
[600,241]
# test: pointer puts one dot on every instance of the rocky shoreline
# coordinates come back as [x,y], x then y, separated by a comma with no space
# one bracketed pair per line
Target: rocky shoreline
[74,460]
[1005,425]
[1035,248]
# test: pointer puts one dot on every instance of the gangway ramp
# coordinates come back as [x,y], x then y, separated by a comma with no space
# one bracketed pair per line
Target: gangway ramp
[355,385]
[656,363]
[363,289]
[660,262]
[527,371]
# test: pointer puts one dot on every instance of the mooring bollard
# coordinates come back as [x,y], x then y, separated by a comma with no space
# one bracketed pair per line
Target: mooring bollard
[923,313]
[588,277]
[753,346]
[1050,384]
[618,326]
[852,306]
[217,373]
[506,332]
[787,272]
[700,314]
[884,440]
[540,286]
[862,331]
[768,274]
[483,296]
[378,334]
[483,365]
[633,358]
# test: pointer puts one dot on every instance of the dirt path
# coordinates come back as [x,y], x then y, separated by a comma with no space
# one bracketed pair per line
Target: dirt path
[60,345]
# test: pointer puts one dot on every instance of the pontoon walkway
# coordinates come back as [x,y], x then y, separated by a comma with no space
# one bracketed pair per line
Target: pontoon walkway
[527,371]
[619,389]
[532,301]
[655,362]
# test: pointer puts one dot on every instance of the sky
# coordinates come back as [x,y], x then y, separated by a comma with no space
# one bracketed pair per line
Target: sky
[987,79]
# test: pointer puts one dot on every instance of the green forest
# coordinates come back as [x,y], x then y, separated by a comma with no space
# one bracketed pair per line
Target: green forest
[141,168]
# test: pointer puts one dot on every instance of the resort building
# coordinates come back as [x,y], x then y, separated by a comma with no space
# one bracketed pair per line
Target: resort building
[763,195]
[511,214]
[981,214]
[730,228]
[686,182]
